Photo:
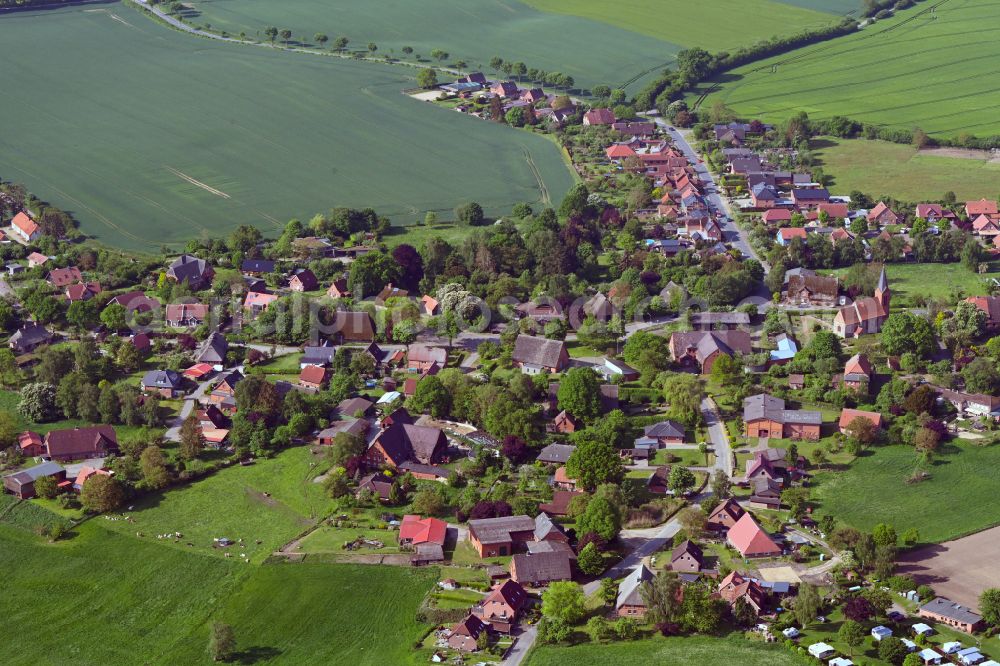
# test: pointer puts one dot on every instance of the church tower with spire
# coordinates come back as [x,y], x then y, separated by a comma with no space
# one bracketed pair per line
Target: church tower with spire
[882,293]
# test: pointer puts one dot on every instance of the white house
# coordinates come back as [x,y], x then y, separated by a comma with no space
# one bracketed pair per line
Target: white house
[840,661]
[26,228]
[929,656]
[951,647]
[921,629]
[970,656]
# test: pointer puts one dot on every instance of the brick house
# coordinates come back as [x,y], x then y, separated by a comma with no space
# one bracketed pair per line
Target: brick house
[502,607]
[81,443]
[954,615]
[686,558]
[702,348]
[541,568]
[498,537]
[313,377]
[811,290]
[750,539]
[735,587]
[22,484]
[629,602]
[881,215]
[725,515]
[166,383]
[765,416]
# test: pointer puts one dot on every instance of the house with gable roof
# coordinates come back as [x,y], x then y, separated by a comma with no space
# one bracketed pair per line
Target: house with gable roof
[750,539]
[535,355]
[765,416]
[702,348]
[629,602]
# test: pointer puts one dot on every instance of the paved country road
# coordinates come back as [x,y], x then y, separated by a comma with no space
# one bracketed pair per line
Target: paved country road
[720,438]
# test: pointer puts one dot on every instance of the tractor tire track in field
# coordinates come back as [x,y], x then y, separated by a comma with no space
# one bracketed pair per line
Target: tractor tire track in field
[543,190]
[197,183]
[834,43]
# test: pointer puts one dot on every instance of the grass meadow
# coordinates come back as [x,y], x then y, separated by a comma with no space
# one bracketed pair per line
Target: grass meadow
[932,280]
[716,25]
[272,501]
[932,68]
[103,597]
[903,172]
[161,137]
[692,651]
[957,499]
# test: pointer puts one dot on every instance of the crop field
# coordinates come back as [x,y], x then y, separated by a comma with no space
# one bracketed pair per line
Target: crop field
[875,490]
[113,599]
[901,171]
[590,51]
[885,73]
[161,136]
[271,502]
[693,651]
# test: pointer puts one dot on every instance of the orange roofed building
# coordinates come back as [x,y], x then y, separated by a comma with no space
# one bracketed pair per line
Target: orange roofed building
[750,539]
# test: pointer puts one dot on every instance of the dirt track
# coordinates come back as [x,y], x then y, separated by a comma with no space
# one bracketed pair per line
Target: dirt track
[959,570]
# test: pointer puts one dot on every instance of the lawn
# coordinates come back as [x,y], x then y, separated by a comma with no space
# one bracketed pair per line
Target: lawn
[958,499]
[232,503]
[688,457]
[880,74]
[115,599]
[900,171]
[589,50]
[693,651]
[932,280]
[716,25]
[164,137]
[328,539]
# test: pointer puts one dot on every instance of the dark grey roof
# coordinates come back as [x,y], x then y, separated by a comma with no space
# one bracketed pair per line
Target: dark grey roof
[213,350]
[629,589]
[497,530]
[544,527]
[664,429]
[764,406]
[30,335]
[730,318]
[948,608]
[542,567]
[556,453]
[689,547]
[189,268]
[318,355]
[257,266]
[36,472]
[812,194]
[162,379]
[542,352]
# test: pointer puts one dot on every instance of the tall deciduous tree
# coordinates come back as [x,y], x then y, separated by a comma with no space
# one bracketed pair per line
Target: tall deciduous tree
[101,493]
[192,439]
[580,393]
[154,467]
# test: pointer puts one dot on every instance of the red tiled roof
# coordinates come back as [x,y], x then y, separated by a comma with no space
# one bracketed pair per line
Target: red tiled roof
[24,223]
[848,415]
[788,233]
[981,207]
[422,530]
[313,374]
[750,539]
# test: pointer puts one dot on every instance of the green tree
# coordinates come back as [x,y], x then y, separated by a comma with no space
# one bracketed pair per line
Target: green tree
[851,634]
[431,396]
[109,404]
[590,561]
[336,483]
[892,650]
[981,376]
[906,332]
[580,393]
[83,314]
[966,324]
[38,403]
[101,493]
[989,606]
[222,642]
[609,591]
[470,214]
[271,32]
[599,629]
[154,467]
[661,596]
[427,78]
[684,393]
[824,344]
[46,487]
[428,502]
[601,517]
[726,370]
[721,485]
[564,602]
[626,628]
[807,605]
[321,38]
[594,461]
[192,439]
[681,480]
[345,446]
[286,35]
[370,272]
[884,535]
[913,659]
[372,47]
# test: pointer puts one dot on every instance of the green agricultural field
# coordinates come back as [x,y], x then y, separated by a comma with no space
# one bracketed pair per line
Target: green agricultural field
[932,280]
[694,651]
[883,73]
[716,25]
[163,137]
[901,171]
[874,490]
[590,51]
[113,599]
[232,503]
